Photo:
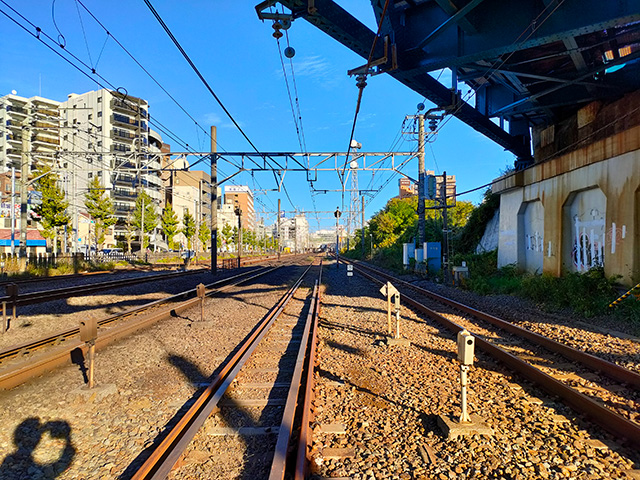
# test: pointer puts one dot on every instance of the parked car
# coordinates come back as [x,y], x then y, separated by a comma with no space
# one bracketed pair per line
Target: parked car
[112,252]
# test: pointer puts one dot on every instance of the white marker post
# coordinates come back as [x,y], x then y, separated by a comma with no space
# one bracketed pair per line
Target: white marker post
[389,291]
[466,343]
[89,334]
[349,270]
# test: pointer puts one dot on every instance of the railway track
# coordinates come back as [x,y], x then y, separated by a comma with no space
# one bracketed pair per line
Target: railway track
[609,397]
[42,296]
[279,355]
[34,360]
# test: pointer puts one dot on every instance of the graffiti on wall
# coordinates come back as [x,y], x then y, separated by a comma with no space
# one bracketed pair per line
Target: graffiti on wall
[534,242]
[588,244]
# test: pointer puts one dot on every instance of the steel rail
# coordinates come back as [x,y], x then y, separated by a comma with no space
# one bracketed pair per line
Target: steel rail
[304,362]
[168,452]
[42,296]
[610,369]
[61,355]
[304,439]
[607,419]
[62,335]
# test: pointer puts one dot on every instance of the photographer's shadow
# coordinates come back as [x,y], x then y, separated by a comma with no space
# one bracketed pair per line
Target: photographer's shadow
[20,464]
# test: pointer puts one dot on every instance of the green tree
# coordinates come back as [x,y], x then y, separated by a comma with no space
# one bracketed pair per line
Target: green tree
[169,224]
[53,208]
[204,235]
[100,208]
[227,234]
[144,202]
[129,232]
[188,227]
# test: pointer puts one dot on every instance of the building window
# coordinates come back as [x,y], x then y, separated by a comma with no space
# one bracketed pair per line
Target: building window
[100,143]
[90,174]
[99,99]
[66,123]
[66,137]
[99,114]
[65,165]
[100,173]
[90,116]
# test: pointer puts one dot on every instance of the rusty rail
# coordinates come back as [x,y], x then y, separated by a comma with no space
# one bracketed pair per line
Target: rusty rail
[609,420]
[168,452]
[61,354]
[304,439]
[610,369]
[31,298]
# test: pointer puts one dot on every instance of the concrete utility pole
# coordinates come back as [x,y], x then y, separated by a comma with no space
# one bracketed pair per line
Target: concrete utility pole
[238,212]
[362,198]
[278,232]
[445,229]
[24,177]
[421,219]
[13,211]
[337,215]
[214,204]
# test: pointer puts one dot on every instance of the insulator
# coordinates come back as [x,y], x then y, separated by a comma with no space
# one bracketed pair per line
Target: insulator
[361,81]
[289,52]
[277,26]
[420,106]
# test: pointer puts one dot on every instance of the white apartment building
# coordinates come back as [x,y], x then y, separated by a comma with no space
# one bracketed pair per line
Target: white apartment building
[36,117]
[106,134]
[294,233]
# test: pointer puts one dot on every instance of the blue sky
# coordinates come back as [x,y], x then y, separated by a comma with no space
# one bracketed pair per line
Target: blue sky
[238,56]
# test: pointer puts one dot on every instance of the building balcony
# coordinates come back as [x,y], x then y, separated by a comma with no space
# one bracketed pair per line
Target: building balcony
[119,147]
[122,194]
[46,112]
[119,133]
[128,107]
[124,180]
[19,111]
[47,141]
[124,120]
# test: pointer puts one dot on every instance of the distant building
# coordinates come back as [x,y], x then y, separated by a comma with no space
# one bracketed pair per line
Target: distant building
[242,196]
[406,188]
[294,233]
[36,115]
[190,191]
[105,134]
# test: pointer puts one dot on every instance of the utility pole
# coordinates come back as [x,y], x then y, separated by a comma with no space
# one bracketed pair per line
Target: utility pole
[24,176]
[362,198]
[214,204]
[337,215]
[445,229]
[238,212]
[421,219]
[13,211]
[278,232]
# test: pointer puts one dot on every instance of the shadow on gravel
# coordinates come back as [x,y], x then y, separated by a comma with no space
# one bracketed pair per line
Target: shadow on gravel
[345,348]
[77,358]
[233,414]
[27,436]
[350,328]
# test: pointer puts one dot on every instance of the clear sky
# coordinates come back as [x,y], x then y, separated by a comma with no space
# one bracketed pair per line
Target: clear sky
[238,56]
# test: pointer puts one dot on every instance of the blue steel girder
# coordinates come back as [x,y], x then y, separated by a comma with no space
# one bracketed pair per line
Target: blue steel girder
[504,27]
[346,29]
